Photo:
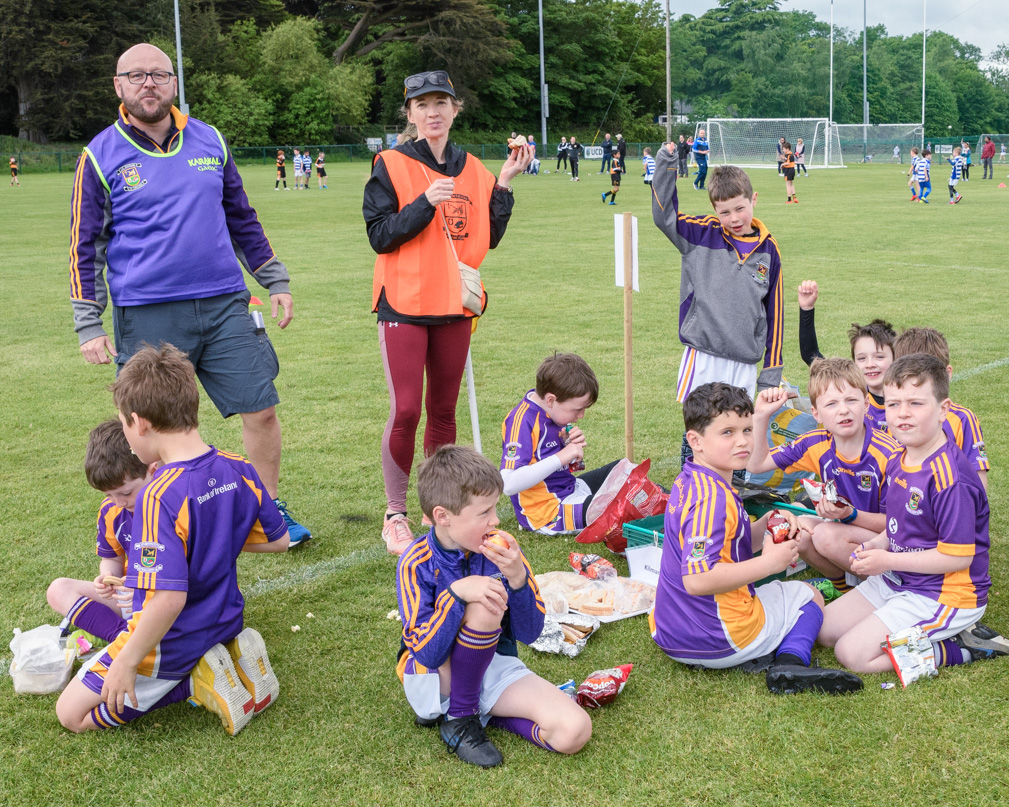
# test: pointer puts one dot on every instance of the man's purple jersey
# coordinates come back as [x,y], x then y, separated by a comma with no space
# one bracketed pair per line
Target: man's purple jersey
[705,525]
[115,531]
[528,436]
[194,519]
[861,480]
[942,505]
[962,427]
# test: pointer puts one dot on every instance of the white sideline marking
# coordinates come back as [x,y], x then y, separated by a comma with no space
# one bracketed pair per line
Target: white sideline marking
[983,368]
[315,571]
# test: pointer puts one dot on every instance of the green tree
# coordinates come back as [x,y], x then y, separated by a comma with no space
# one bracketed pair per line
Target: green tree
[231,104]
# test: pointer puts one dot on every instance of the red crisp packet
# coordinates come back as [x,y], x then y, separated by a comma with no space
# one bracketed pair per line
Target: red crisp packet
[778,527]
[592,566]
[824,490]
[602,686]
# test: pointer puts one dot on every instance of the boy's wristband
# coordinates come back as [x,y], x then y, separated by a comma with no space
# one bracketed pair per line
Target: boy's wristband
[852,517]
[456,597]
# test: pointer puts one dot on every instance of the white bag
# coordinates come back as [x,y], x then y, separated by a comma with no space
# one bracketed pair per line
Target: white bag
[41,665]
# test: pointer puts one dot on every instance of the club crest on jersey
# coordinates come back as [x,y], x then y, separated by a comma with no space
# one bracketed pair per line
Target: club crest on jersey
[512,450]
[865,481]
[699,545]
[762,271]
[913,505]
[131,177]
[982,454]
[457,216]
[148,556]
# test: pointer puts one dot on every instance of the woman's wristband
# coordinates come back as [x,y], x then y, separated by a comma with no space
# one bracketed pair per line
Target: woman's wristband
[850,518]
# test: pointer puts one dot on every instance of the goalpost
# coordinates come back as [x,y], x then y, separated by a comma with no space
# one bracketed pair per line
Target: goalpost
[875,142]
[752,142]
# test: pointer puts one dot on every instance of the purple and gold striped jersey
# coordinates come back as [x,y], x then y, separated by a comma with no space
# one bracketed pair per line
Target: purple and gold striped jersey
[861,480]
[432,615]
[940,505]
[195,517]
[875,413]
[115,528]
[528,436]
[705,525]
[963,428]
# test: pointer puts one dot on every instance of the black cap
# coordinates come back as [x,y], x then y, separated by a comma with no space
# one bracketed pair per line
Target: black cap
[431,81]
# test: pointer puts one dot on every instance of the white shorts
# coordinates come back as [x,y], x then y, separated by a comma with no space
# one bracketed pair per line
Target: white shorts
[571,514]
[783,602]
[903,609]
[149,690]
[698,367]
[423,690]
[954,182]
[299,172]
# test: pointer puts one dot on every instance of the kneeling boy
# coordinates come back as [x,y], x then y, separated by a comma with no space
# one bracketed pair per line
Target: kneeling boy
[111,467]
[707,611]
[541,445]
[929,566]
[200,510]
[466,595]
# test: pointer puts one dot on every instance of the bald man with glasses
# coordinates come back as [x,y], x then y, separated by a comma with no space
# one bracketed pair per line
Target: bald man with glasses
[159,213]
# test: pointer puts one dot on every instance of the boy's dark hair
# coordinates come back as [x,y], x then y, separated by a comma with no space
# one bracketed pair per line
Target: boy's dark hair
[836,371]
[786,145]
[159,385]
[567,376]
[709,401]
[926,152]
[728,182]
[922,340]
[109,462]
[915,150]
[452,476]
[879,330]
[918,368]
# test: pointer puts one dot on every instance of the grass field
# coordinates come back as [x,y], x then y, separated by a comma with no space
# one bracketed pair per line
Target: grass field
[341,732]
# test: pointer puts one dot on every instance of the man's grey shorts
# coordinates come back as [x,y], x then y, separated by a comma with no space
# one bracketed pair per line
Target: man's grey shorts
[235,365]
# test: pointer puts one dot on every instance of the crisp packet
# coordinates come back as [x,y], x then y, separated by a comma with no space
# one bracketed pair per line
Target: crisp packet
[565,634]
[778,527]
[592,566]
[824,490]
[602,686]
[912,655]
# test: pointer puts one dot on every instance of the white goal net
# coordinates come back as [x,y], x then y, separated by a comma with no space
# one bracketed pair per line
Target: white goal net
[752,142]
[877,142]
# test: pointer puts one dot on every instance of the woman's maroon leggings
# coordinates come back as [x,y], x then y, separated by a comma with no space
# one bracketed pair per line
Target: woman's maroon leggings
[408,353]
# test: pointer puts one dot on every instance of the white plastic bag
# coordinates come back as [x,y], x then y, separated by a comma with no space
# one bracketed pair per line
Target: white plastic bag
[41,664]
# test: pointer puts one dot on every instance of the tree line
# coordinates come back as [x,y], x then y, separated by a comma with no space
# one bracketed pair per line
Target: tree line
[291,71]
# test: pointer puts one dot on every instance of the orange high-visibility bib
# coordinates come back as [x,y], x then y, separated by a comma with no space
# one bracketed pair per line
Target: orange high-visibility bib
[421,278]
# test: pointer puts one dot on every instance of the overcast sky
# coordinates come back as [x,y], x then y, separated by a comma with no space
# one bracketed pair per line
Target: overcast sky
[984,23]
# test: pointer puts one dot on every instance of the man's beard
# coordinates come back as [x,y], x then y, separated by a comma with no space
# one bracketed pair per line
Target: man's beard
[136,110]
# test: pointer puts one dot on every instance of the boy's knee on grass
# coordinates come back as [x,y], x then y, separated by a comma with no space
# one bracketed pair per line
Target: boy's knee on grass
[856,652]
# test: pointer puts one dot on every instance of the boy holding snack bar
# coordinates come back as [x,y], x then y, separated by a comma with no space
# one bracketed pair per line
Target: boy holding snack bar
[928,569]
[466,595]
[111,467]
[707,611]
[202,508]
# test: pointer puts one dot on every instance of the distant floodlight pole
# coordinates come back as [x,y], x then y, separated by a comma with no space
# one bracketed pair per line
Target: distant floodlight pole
[544,113]
[183,106]
[865,83]
[669,84]
[830,115]
[924,42]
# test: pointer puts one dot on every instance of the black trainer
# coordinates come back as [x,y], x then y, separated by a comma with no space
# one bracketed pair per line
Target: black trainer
[761,664]
[788,679]
[428,722]
[980,637]
[465,737]
[979,649]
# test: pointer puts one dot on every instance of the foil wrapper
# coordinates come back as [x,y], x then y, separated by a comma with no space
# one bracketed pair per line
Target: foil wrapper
[553,640]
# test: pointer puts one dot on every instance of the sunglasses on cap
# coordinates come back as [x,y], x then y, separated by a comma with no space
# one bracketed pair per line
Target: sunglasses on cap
[434,78]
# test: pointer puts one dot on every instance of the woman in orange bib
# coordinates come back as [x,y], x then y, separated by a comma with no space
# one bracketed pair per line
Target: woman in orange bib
[428,207]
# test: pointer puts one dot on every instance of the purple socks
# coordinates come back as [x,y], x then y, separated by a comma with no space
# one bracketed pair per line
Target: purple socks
[471,656]
[97,618]
[106,719]
[522,727]
[948,654]
[799,640]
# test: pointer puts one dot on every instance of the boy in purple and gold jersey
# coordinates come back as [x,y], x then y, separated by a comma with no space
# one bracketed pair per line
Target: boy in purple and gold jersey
[112,468]
[847,451]
[871,349]
[541,443]
[929,567]
[200,510]
[466,596]
[707,611]
[961,425]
